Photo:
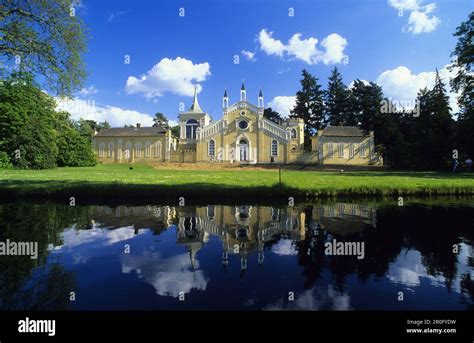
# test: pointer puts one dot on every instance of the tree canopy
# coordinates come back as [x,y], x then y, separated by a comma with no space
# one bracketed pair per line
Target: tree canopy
[44,37]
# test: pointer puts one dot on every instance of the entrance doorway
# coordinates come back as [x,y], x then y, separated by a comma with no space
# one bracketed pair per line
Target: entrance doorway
[243,148]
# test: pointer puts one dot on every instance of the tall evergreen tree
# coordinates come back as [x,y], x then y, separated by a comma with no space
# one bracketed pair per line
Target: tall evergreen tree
[338,101]
[366,103]
[310,105]
[463,83]
[272,115]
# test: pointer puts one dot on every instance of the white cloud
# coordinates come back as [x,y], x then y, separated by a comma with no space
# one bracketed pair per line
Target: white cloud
[283,104]
[89,90]
[401,85]
[351,85]
[169,76]
[269,45]
[116,116]
[334,45]
[249,55]
[421,19]
[168,275]
[314,299]
[405,5]
[284,247]
[305,49]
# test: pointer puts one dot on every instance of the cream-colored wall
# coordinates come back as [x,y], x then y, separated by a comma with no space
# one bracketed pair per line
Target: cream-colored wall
[357,142]
[259,142]
[120,146]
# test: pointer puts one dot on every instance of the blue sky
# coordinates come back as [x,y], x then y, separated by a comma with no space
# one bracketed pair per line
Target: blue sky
[397,43]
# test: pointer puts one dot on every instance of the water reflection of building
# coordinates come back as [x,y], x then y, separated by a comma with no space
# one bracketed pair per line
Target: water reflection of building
[243,229]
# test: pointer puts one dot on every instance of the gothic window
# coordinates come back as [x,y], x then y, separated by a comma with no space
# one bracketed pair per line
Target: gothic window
[340,149]
[274,148]
[101,150]
[138,149]
[330,150]
[212,148]
[191,126]
[111,150]
[147,149]
[293,134]
[351,150]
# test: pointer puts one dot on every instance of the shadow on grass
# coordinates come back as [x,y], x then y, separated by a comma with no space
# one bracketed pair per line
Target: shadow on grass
[201,192]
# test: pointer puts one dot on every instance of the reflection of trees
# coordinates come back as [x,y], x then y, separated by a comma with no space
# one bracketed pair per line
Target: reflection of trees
[42,223]
[430,230]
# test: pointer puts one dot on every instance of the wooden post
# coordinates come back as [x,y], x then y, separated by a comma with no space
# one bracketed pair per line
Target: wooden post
[279,175]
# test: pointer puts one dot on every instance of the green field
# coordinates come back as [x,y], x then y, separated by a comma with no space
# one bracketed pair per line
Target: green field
[119,180]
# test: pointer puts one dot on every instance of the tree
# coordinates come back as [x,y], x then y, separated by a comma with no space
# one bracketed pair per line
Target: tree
[74,149]
[338,101]
[104,125]
[175,131]
[32,134]
[309,105]
[27,120]
[463,82]
[366,102]
[161,120]
[272,115]
[44,37]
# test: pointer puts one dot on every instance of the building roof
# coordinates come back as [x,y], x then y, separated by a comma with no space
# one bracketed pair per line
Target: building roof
[344,131]
[131,131]
[195,108]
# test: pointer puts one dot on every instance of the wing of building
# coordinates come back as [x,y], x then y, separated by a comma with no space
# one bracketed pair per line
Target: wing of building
[242,135]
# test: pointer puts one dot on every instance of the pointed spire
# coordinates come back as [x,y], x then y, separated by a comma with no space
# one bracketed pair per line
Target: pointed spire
[195,106]
[243,86]
[260,94]
[225,92]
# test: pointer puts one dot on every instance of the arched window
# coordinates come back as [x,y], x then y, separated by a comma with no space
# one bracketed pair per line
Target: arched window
[191,126]
[351,150]
[158,149]
[111,150]
[330,150]
[340,149]
[147,149]
[138,149]
[128,151]
[274,148]
[362,150]
[293,134]
[212,148]
[101,150]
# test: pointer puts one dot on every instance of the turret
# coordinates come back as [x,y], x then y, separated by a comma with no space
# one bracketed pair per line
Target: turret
[225,99]
[260,99]
[243,94]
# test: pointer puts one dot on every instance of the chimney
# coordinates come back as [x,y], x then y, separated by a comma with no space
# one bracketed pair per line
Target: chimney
[139,125]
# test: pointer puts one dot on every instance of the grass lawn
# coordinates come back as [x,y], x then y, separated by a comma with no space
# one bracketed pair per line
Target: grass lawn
[119,180]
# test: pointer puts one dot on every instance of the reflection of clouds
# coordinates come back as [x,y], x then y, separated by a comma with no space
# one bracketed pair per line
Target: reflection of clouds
[86,244]
[169,275]
[408,270]
[284,247]
[314,299]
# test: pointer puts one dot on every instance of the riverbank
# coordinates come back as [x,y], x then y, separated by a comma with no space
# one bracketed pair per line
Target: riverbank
[141,181]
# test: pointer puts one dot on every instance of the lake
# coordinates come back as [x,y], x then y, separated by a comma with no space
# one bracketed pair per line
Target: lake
[330,255]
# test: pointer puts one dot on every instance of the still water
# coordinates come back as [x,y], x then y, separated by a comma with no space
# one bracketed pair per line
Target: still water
[244,257]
